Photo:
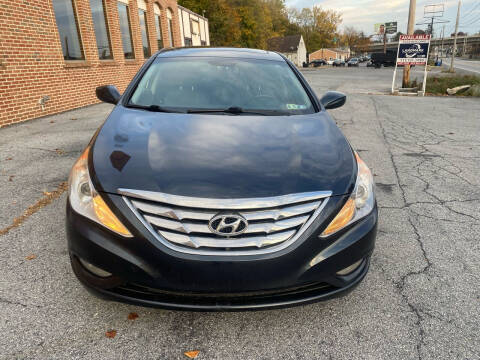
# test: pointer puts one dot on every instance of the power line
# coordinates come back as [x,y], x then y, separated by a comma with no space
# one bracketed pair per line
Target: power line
[432,15]
[471,23]
[471,11]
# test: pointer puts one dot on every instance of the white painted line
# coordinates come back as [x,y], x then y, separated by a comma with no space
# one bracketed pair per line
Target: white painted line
[463,68]
[467,69]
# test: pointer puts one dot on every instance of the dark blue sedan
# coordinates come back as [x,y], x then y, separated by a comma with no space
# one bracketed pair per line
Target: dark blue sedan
[220,182]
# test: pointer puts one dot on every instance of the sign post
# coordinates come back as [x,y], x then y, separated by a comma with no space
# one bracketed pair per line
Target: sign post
[412,50]
[385,29]
[391,27]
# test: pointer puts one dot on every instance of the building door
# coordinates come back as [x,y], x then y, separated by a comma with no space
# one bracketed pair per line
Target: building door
[195,26]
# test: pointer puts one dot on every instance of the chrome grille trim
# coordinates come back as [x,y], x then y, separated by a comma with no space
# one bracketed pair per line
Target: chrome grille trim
[187,228]
[281,213]
[251,241]
[230,204]
[176,214]
[181,223]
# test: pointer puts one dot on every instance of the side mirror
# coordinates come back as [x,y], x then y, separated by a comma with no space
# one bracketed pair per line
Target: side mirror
[333,99]
[108,94]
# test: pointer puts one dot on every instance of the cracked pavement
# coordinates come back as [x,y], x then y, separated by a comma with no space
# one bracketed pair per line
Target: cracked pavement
[420,299]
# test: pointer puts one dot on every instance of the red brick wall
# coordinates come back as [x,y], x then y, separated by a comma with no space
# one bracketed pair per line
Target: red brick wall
[324,54]
[32,64]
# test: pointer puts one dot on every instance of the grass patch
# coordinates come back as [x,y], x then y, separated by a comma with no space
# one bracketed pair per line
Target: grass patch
[438,85]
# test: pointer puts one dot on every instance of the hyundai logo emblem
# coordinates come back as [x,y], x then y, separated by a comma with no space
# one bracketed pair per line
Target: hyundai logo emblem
[228,224]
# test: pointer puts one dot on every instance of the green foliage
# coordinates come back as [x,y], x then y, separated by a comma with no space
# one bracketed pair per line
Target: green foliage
[250,23]
[318,27]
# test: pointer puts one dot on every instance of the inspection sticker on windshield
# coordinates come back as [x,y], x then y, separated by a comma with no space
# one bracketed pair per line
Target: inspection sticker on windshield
[296,107]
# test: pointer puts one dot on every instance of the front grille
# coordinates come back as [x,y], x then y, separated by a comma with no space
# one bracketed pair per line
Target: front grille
[182,223]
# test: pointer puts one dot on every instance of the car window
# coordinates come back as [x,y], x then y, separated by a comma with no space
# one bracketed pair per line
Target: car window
[211,83]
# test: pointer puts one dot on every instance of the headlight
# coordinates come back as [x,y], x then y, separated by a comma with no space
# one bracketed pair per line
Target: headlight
[360,203]
[87,202]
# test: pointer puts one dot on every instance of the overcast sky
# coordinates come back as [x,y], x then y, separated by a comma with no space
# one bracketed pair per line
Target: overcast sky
[363,14]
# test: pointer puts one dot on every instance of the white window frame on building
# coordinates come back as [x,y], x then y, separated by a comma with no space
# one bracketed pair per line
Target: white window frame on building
[193,28]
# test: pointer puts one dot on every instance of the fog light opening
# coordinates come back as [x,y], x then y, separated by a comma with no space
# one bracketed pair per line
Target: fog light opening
[350,269]
[94,269]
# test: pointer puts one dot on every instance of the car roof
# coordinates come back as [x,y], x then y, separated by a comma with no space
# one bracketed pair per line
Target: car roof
[239,53]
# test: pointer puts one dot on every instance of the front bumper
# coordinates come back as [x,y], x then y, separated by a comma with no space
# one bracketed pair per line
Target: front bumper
[147,273]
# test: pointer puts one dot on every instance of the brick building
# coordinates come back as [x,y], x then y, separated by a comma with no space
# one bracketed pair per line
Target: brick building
[329,54]
[54,53]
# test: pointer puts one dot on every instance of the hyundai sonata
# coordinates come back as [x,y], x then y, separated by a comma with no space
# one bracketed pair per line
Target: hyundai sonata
[220,182]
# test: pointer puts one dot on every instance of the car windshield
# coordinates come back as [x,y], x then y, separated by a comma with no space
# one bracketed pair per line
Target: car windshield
[193,83]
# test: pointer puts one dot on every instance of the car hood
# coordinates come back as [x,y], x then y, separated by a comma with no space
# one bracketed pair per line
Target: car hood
[221,156]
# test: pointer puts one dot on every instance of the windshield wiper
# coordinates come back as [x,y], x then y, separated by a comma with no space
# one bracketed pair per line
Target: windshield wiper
[154,108]
[236,110]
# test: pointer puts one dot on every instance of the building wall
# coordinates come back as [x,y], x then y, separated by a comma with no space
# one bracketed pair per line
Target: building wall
[302,52]
[328,54]
[325,54]
[291,56]
[186,18]
[300,56]
[32,65]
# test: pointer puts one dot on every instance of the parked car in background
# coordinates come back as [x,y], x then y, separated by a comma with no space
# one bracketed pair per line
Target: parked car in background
[353,62]
[183,199]
[318,62]
[338,62]
[330,62]
[370,63]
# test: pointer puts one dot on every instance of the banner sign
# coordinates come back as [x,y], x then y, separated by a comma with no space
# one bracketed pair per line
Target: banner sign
[379,28]
[391,27]
[413,49]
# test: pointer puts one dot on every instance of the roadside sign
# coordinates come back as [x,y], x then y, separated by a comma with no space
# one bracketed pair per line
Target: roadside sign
[413,49]
[379,28]
[391,27]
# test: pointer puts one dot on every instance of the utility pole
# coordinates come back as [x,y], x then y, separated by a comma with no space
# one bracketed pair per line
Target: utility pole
[411,24]
[384,41]
[443,36]
[455,38]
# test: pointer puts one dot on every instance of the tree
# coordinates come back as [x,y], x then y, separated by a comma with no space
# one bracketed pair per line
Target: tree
[350,36]
[318,26]
[223,21]
[396,37]
[419,32]
[279,16]
[363,44]
[250,23]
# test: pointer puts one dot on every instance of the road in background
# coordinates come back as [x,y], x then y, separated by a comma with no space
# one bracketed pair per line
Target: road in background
[468,66]
[419,301]
[362,79]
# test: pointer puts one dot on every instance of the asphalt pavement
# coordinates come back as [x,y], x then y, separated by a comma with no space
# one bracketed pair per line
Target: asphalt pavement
[420,299]
[470,67]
